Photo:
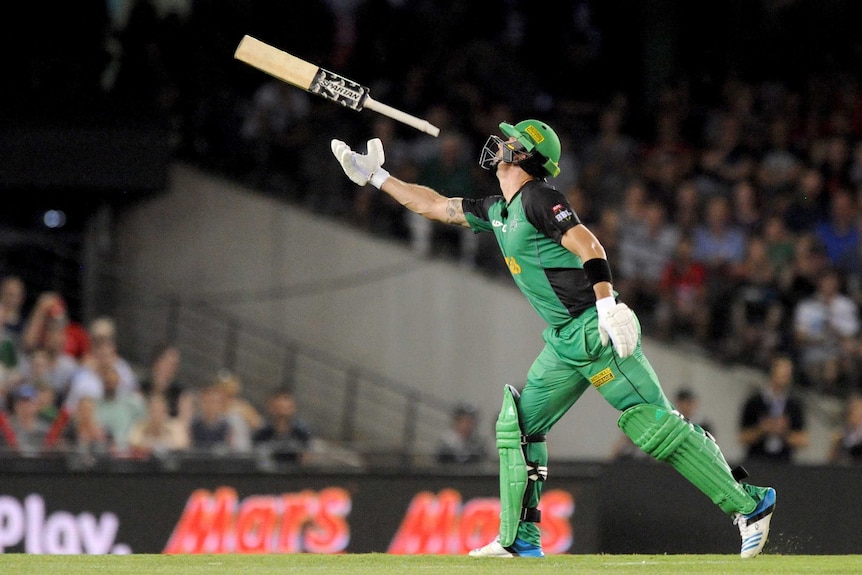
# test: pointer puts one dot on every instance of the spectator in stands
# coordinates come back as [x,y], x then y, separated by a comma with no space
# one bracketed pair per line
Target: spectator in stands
[284,437]
[85,434]
[210,429]
[756,309]
[243,416]
[846,443]
[51,307]
[9,354]
[103,359]
[683,305]
[835,163]
[48,306]
[686,207]
[13,295]
[772,425]
[28,429]
[51,363]
[746,207]
[47,405]
[118,411]
[669,157]
[609,157]
[719,244]
[839,233]
[646,247]
[780,246]
[808,204]
[463,442]
[103,332]
[633,204]
[800,280]
[162,378]
[779,165]
[158,433]
[725,159]
[825,326]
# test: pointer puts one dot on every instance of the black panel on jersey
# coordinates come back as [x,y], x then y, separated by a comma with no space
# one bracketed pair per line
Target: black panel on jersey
[573,288]
[479,207]
[548,210]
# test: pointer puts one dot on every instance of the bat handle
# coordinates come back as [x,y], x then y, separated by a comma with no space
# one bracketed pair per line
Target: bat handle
[403,117]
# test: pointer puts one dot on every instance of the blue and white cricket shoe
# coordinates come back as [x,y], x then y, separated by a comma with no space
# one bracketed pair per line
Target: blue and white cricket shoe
[754,527]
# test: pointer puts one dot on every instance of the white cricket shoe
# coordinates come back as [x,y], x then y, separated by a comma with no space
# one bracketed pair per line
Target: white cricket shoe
[492,549]
[518,549]
[754,527]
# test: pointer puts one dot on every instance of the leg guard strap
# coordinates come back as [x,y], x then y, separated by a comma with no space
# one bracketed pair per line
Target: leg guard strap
[535,438]
[536,472]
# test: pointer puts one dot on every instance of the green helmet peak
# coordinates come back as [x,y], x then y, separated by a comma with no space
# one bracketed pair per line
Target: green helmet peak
[539,137]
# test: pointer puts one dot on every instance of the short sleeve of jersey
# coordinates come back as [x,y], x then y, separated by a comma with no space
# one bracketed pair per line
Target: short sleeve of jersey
[477,211]
[548,211]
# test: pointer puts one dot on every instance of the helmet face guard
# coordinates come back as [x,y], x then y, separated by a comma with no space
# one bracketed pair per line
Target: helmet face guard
[497,150]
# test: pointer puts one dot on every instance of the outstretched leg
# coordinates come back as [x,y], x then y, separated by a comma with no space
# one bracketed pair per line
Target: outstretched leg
[650,421]
[668,436]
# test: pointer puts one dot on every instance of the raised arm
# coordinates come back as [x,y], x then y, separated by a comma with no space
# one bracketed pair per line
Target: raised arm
[425,201]
[366,168]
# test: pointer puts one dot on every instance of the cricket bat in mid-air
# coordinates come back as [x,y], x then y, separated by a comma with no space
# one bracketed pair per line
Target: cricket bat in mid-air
[316,80]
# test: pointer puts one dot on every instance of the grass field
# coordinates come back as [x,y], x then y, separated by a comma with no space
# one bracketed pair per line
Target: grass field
[383,564]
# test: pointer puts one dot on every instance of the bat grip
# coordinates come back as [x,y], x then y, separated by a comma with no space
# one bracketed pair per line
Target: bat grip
[403,117]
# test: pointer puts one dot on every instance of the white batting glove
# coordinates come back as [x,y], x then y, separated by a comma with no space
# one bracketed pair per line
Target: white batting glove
[362,168]
[617,323]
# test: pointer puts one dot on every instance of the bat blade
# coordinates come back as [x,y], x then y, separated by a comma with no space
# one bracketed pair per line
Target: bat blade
[311,78]
[275,62]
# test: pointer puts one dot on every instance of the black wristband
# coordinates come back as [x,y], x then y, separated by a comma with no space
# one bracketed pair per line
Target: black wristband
[598,270]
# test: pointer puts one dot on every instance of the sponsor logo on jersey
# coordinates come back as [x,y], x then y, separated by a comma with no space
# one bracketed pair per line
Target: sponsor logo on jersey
[562,213]
[602,377]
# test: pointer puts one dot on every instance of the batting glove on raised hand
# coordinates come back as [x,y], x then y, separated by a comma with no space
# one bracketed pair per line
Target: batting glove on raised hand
[617,322]
[362,168]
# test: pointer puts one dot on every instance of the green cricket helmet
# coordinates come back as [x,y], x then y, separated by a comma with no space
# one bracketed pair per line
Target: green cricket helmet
[534,138]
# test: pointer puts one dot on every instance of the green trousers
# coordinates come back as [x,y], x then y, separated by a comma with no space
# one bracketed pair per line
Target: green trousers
[572,360]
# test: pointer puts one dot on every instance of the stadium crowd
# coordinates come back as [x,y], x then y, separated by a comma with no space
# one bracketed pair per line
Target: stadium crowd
[730,191]
[66,389]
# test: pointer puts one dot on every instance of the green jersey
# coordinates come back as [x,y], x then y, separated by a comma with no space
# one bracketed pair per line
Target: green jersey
[529,230]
